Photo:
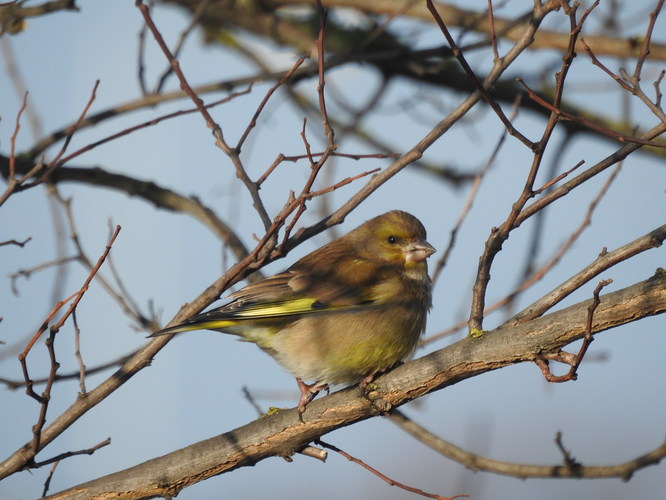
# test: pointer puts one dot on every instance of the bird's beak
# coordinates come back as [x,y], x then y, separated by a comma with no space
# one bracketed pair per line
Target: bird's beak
[418,251]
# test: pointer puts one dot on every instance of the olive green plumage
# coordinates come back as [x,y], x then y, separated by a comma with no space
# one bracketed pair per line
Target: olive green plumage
[352,308]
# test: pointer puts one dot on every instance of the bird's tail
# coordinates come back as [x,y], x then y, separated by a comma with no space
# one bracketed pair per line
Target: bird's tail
[194,324]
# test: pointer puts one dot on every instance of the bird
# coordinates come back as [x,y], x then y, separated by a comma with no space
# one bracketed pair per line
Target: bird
[349,310]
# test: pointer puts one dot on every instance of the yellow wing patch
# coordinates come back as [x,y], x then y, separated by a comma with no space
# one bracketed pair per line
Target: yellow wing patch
[273,309]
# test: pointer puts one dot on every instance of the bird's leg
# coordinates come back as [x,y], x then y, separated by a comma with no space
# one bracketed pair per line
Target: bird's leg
[308,393]
[365,381]
[367,388]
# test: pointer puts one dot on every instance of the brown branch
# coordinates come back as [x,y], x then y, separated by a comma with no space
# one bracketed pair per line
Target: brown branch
[39,267]
[647,40]
[220,142]
[570,468]
[36,444]
[510,29]
[284,433]
[416,152]
[16,242]
[194,20]
[631,83]
[17,384]
[144,102]
[150,123]
[499,235]
[587,123]
[155,194]
[56,163]
[13,183]
[584,176]
[339,184]
[321,40]
[657,88]
[79,356]
[475,80]
[299,205]
[385,478]
[653,239]
[295,158]
[574,363]
[491,29]
[67,454]
[253,121]
[47,482]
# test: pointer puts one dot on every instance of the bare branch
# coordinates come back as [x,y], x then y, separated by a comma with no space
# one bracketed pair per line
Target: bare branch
[384,477]
[220,142]
[477,83]
[574,363]
[653,239]
[569,468]
[16,242]
[37,444]
[499,235]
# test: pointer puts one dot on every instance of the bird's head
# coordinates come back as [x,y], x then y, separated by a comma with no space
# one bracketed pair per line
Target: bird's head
[396,237]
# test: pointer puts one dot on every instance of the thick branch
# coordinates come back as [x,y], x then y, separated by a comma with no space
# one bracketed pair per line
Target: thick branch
[284,433]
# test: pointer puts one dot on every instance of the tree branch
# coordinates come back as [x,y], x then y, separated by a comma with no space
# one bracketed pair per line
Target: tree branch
[284,433]
[477,20]
[567,469]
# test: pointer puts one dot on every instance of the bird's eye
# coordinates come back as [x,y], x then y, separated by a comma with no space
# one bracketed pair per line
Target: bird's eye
[392,240]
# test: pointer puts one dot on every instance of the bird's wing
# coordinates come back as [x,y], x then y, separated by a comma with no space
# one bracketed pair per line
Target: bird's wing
[270,298]
[292,292]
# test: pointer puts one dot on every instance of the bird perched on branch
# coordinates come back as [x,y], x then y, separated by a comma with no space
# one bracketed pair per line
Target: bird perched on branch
[341,314]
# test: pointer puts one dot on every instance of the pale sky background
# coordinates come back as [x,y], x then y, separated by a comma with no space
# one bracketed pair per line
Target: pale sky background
[193,390]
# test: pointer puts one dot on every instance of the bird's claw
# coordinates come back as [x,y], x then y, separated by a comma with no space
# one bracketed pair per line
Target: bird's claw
[308,393]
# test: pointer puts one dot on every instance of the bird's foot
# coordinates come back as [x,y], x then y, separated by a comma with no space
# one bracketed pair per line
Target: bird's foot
[367,387]
[308,393]
[366,384]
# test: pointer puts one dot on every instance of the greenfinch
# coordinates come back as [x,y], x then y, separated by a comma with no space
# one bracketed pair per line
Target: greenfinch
[343,313]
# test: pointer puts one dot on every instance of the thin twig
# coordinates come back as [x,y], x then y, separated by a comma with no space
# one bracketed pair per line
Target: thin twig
[475,80]
[197,13]
[499,235]
[47,482]
[441,262]
[16,242]
[79,356]
[220,142]
[604,261]
[491,29]
[44,398]
[67,454]
[17,384]
[57,162]
[587,123]
[570,468]
[12,182]
[262,104]
[26,273]
[384,477]
[572,374]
